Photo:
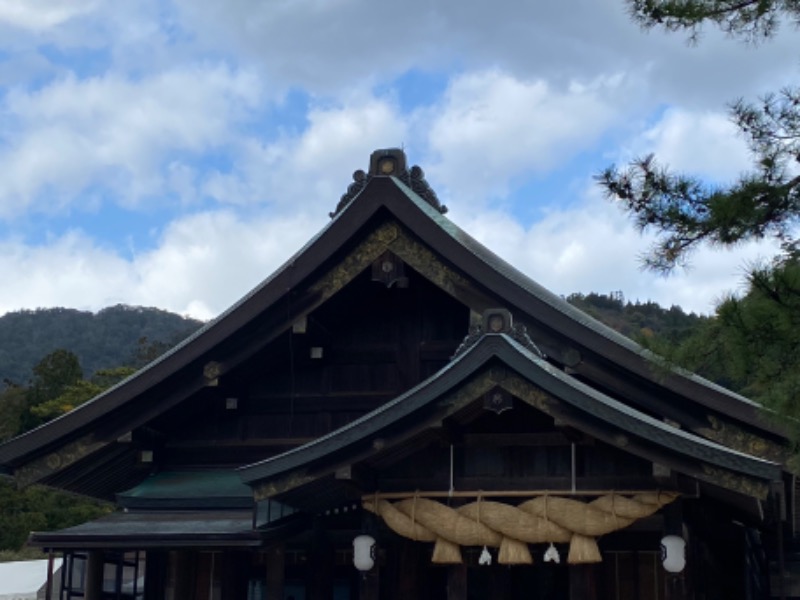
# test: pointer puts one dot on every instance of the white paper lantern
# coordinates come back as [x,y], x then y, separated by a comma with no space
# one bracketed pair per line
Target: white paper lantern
[364,552]
[673,553]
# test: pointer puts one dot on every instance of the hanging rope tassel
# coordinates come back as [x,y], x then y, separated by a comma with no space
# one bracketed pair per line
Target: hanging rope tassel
[485,557]
[493,524]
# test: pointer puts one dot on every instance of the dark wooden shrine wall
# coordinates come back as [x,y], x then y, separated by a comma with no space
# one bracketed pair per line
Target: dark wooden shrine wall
[529,455]
[360,349]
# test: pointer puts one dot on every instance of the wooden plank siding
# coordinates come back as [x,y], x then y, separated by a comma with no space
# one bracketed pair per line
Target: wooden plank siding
[375,342]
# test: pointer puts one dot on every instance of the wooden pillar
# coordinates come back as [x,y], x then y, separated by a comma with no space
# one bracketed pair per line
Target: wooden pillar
[182,575]
[93,581]
[403,559]
[583,582]
[501,583]
[276,565]
[368,585]
[233,569]
[675,587]
[155,575]
[205,566]
[321,565]
[48,593]
[457,582]
[780,511]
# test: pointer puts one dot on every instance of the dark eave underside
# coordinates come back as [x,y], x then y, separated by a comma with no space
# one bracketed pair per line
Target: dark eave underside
[354,437]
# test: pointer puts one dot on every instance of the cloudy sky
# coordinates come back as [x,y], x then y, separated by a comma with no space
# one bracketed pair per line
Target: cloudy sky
[173,153]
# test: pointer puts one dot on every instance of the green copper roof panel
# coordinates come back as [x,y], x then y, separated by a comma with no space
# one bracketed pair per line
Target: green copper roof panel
[189,489]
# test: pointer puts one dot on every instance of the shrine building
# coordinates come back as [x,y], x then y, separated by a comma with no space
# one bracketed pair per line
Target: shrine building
[396,413]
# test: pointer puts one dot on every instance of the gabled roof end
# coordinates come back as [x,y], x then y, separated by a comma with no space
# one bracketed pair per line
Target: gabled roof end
[390,162]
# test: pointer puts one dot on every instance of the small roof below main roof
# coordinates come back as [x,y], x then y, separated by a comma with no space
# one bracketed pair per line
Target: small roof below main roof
[587,409]
[169,529]
[196,489]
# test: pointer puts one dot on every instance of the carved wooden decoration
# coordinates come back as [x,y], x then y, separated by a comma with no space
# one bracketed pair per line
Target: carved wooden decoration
[390,271]
[390,162]
[498,400]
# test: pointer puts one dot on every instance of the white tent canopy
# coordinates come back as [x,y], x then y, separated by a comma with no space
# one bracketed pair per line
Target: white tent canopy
[21,580]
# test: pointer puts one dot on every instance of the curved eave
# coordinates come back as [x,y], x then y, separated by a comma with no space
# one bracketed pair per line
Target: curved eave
[541,305]
[200,345]
[444,238]
[539,373]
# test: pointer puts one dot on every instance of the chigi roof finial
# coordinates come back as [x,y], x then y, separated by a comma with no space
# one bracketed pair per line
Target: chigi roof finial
[390,162]
[496,321]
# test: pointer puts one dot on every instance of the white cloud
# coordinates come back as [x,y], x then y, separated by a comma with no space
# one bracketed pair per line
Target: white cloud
[205,262]
[702,143]
[68,271]
[128,103]
[208,261]
[321,46]
[39,15]
[491,127]
[133,140]
[328,47]
[202,264]
[312,169]
[594,248]
[115,132]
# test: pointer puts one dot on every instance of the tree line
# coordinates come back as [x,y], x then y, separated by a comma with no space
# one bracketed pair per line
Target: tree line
[753,342]
[101,340]
[34,392]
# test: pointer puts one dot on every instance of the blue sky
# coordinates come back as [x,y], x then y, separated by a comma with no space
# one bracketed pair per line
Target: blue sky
[172,154]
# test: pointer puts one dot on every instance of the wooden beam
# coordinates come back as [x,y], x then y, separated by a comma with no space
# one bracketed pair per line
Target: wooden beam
[276,565]
[548,438]
[675,587]
[48,593]
[721,476]
[503,493]
[583,582]
[233,573]
[320,583]
[501,584]
[457,582]
[369,585]
[62,458]
[358,475]
[93,582]
[407,569]
[155,583]
[182,573]
[240,444]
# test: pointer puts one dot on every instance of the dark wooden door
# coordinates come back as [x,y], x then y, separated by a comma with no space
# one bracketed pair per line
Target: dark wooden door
[534,582]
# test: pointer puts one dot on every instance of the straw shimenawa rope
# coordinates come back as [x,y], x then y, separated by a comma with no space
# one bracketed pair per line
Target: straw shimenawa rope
[544,519]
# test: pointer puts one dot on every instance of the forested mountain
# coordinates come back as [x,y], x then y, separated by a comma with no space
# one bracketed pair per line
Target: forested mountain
[113,337]
[640,321]
[102,340]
